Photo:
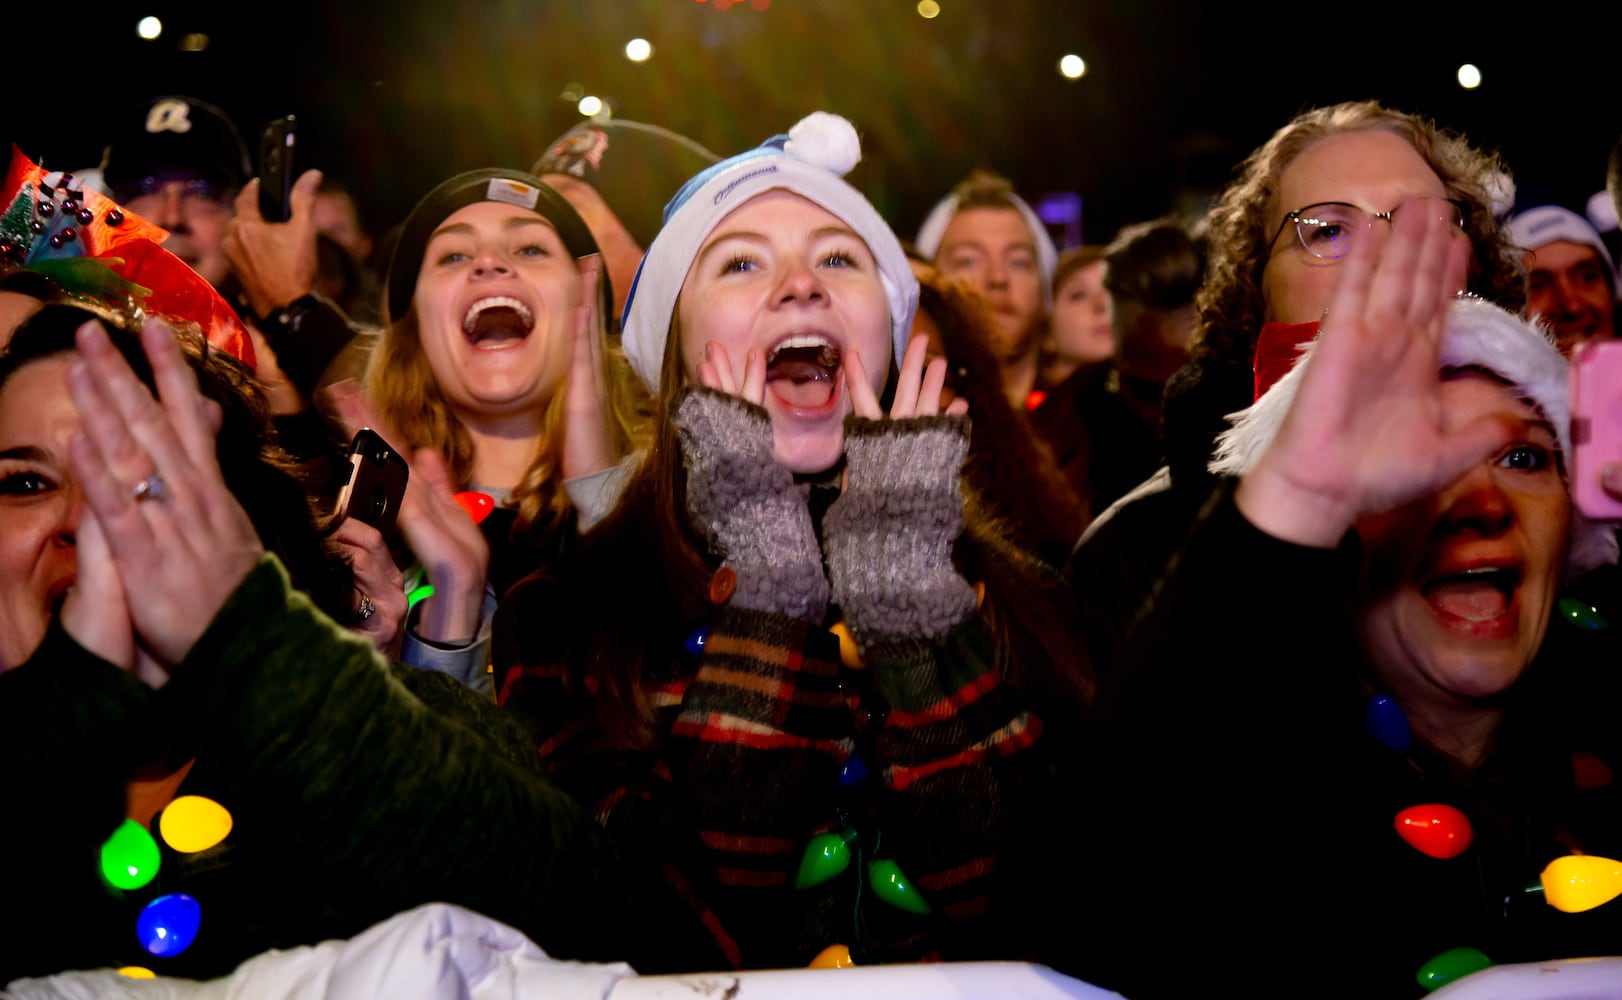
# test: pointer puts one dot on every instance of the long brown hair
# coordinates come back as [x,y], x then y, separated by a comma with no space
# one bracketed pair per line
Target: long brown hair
[1009,467]
[1230,302]
[641,578]
[401,384]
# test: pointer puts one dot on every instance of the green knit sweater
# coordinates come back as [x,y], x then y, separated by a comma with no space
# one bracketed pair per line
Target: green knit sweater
[357,787]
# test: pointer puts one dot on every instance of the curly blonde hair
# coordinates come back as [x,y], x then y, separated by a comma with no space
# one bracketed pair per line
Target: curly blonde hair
[1230,303]
[401,385]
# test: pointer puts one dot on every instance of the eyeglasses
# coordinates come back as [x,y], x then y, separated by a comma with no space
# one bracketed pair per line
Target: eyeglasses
[1329,229]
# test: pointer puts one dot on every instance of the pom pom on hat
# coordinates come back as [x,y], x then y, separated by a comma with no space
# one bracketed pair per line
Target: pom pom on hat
[809,161]
[827,140]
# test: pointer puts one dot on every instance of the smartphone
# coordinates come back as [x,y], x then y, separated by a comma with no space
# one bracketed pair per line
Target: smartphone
[276,165]
[377,481]
[1596,424]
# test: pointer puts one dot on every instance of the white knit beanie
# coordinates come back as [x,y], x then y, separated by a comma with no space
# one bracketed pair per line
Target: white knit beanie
[1477,334]
[1537,227]
[809,161]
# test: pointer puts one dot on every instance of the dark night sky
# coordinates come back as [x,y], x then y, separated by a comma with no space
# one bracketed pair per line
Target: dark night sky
[395,96]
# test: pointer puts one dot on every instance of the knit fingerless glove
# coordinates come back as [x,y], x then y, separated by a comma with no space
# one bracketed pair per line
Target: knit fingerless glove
[889,536]
[747,506]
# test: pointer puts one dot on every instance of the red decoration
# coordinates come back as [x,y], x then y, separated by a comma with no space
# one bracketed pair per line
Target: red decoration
[1278,348]
[1435,829]
[128,245]
[478,505]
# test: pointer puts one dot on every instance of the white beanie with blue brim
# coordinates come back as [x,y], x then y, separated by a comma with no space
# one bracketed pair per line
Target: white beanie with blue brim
[810,161]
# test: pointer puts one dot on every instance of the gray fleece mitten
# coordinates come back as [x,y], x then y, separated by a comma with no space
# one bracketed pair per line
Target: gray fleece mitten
[889,535]
[747,506]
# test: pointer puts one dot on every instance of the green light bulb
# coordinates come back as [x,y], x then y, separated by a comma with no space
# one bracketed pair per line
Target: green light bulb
[129,858]
[890,885]
[1450,966]
[825,856]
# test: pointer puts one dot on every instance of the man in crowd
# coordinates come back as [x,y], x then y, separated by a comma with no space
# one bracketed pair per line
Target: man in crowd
[1571,281]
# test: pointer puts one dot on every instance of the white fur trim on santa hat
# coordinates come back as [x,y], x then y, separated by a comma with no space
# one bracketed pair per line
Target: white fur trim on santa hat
[1477,334]
[810,161]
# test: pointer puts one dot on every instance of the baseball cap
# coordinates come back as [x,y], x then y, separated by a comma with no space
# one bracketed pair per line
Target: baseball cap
[171,137]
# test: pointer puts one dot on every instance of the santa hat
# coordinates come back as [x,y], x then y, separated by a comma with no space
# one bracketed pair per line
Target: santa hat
[809,161]
[1478,334]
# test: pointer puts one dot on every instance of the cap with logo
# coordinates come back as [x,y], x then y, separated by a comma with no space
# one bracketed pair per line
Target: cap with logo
[511,187]
[175,138]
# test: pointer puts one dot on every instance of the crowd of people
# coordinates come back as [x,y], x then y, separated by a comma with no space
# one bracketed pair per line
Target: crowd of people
[771,589]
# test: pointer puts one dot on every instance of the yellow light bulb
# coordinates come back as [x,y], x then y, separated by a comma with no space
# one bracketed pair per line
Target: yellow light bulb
[193,823]
[1579,882]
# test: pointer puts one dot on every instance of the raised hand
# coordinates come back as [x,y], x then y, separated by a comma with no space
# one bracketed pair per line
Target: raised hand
[380,586]
[748,383]
[1364,434]
[449,545]
[889,536]
[275,261]
[179,539]
[588,444]
[918,390]
[95,612]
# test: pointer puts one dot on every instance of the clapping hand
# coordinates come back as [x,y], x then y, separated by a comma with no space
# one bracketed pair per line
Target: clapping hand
[450,546]
[181,543]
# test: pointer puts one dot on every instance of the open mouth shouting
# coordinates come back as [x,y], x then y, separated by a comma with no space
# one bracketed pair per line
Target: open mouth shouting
[1480,600]
[803,371]
[496,322]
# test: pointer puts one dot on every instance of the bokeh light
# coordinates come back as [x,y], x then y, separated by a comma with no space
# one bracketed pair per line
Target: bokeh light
[149,28]
[194,42]
[928,9]
[1469,77]
[590,106]
[1072,66]
[638,49]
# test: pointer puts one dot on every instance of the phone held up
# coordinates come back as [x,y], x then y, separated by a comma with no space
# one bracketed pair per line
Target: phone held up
[1596,424]
[276,169]
[377,481]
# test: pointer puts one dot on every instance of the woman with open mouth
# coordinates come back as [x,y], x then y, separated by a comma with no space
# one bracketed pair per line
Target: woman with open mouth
[782,672]
[1358,684]
[491,375]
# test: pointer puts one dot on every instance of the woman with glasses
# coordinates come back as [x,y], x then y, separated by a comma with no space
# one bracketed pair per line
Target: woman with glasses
[1331,178]
[1358,725]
